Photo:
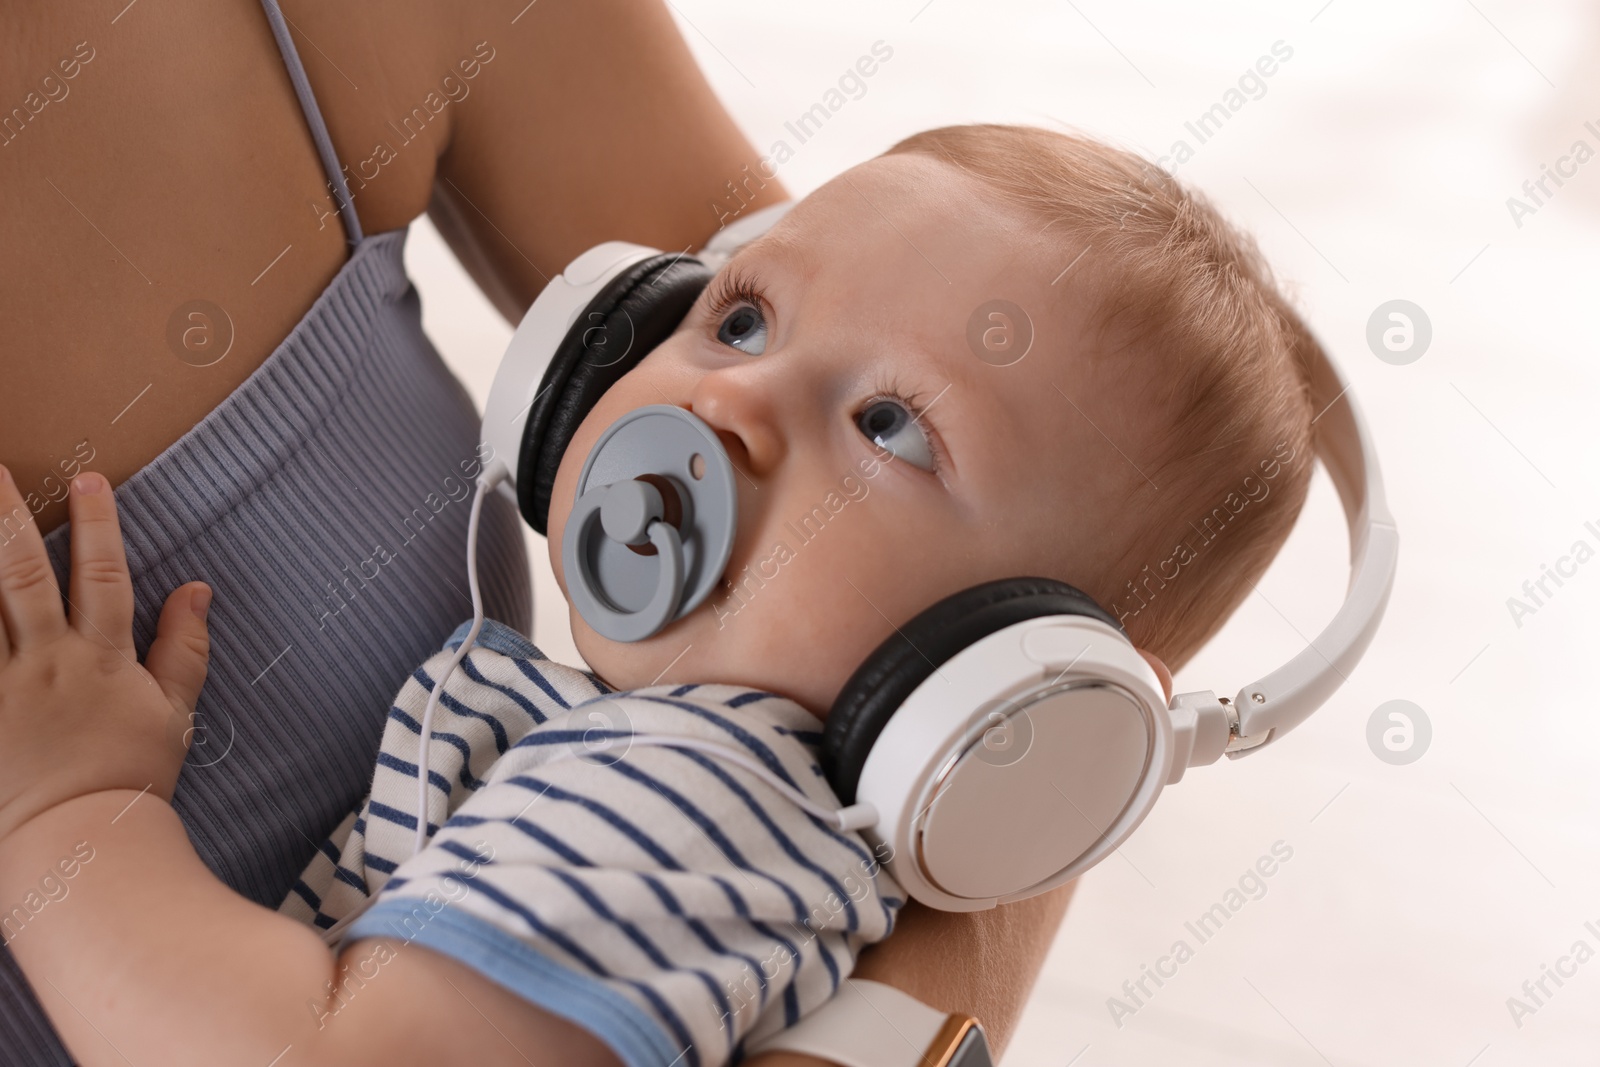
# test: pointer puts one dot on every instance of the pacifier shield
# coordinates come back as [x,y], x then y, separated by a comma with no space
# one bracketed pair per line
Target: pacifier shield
[620,591]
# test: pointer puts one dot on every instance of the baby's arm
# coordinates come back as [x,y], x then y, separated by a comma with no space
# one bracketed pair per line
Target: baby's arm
[137,952]
[149,958]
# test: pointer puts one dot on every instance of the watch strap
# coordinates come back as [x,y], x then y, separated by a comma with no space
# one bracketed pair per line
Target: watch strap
[870,1024]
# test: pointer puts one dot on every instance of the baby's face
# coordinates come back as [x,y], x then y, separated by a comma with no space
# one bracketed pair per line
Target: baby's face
[881,464]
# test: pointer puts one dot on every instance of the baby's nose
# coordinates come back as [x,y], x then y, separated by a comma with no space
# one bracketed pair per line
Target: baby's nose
[744,416]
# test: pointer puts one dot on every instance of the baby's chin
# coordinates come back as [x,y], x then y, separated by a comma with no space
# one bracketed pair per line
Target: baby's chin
[624,665]
[673,657]
[605,659]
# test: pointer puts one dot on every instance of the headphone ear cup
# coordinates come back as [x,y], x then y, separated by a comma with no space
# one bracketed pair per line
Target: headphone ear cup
[908,657]
[627,319]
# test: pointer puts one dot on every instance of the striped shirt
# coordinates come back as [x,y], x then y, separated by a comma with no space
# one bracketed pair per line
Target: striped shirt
[665,898]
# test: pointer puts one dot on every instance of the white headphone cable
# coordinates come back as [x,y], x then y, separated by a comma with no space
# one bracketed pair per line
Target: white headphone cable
[491,477]
[486,481]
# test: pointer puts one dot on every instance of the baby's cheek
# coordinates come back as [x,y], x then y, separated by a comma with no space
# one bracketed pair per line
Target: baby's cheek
[818,639]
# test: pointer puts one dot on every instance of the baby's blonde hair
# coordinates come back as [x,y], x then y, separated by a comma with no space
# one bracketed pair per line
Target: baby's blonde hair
[1187,309]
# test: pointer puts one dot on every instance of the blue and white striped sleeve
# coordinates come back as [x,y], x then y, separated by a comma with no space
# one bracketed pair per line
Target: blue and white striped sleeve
[668,900]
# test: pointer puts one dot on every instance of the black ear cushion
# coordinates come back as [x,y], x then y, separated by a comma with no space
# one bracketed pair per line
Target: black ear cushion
[628,318]
[908,657]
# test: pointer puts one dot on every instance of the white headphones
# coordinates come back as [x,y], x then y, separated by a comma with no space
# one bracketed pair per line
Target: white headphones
[1009,737]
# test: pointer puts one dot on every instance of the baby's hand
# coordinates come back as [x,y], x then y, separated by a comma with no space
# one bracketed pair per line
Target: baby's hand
[78,714]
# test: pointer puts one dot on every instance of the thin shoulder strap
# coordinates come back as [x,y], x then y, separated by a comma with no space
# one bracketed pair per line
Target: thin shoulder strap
[319,129]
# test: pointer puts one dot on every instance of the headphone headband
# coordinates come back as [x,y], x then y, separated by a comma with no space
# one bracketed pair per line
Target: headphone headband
[1271,706]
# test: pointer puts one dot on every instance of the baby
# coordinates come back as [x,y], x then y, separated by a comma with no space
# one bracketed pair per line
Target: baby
[1011,351]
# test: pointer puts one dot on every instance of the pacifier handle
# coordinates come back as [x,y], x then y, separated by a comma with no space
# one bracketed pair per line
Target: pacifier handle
[629,511]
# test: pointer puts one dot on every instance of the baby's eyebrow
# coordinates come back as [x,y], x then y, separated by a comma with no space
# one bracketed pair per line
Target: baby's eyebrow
[782,247]
[740,251]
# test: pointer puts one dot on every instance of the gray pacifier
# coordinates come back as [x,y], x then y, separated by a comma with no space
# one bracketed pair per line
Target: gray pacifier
[653,525]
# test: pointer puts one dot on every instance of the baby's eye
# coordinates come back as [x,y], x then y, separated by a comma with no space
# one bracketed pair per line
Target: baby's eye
[744,328]
[887,424]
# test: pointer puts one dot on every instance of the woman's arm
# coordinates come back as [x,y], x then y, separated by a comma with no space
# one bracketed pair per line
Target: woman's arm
[981,963]
[977,963]
[592,123]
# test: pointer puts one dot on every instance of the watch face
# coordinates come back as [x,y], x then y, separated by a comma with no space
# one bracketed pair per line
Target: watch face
[973,1051]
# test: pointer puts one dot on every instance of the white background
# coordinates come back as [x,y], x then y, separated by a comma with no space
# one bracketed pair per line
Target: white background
[1376,166]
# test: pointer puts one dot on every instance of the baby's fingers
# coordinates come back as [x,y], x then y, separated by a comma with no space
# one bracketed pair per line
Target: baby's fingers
[177,657]
[30,600]
[100,591]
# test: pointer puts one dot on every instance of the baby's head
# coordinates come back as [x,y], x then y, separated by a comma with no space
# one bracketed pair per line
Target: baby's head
[1152,447]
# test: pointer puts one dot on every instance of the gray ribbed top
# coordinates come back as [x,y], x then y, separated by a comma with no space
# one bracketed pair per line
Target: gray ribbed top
[325,503]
